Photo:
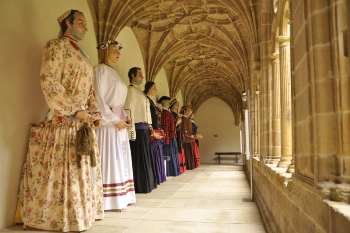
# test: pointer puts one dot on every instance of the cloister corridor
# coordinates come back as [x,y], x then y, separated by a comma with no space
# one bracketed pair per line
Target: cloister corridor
[207,199]
[274,74]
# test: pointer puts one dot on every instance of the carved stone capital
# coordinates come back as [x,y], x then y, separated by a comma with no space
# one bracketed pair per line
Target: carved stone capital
[283,41]
[275,57]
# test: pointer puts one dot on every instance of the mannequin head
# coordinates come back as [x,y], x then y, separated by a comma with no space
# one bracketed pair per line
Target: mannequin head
[135,76]
[174,105]
[109,52]
[164,101]
[74,25]
[186,110]
[150,88]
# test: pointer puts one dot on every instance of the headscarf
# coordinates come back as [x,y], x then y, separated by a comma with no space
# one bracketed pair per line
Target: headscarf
[60,19]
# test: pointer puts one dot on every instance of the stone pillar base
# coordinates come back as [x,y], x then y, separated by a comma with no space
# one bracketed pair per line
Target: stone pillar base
[291,169]
[274,161]
[268,160]
[284,162]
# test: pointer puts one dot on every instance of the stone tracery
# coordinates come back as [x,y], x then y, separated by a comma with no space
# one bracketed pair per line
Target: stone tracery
[191,40]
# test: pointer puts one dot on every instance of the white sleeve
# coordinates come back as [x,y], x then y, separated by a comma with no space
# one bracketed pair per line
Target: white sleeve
[108,117]
[148,112]
[129,107]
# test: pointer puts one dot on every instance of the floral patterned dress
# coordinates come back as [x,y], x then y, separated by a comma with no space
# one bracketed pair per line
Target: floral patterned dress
[54,193]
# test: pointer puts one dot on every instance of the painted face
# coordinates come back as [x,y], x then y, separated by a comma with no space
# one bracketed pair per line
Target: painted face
[166,103]
[138,79]
[78,29]
[153,90]
[113,53]
[187,112]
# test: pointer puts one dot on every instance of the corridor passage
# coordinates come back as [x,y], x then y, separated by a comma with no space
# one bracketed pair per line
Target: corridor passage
[207,199]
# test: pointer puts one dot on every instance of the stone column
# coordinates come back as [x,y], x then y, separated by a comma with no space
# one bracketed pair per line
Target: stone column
[253,114]
[286,102]
[253,109]
[258,120]
[267,113]
[276,109]
[270,101]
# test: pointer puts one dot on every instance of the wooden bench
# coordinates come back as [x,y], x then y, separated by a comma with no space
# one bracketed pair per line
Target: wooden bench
[227,156]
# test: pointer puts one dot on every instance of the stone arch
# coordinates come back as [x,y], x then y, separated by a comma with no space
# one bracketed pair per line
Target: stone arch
[285,20]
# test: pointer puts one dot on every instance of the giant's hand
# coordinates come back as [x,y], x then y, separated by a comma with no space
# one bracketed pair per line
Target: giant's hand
[122,124]
[158,136]
[87,116]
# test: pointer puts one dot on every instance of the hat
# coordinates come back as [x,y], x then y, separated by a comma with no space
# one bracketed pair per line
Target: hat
[183,108]
[173,102]
[163,98]
[60,19]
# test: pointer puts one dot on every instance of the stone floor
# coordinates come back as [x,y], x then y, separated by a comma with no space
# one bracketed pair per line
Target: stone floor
[207,199]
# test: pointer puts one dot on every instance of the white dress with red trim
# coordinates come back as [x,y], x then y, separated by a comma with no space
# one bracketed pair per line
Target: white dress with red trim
[116,163]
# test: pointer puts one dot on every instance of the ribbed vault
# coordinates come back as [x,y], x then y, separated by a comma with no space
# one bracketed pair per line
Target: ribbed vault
[204,46]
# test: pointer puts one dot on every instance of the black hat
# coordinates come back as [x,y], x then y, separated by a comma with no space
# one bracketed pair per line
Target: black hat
[163,98]
[173,102]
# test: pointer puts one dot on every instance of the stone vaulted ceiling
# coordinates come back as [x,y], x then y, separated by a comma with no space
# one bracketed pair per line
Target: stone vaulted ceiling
[203,45]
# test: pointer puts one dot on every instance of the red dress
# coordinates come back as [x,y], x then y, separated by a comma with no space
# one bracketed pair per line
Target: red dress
[196,153]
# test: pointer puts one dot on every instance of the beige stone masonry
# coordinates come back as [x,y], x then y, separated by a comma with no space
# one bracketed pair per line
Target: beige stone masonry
[276,110]
[286,104]
[288,205]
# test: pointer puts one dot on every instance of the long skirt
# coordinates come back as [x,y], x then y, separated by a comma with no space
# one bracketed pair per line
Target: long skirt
[182,161]
[54,193]
[117,175]
[157,147]
[172,165]
[179,139]
[189,156]
[196,153]
[145,179]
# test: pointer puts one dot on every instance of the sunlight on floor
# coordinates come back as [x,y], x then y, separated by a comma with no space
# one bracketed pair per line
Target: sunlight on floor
[207,199]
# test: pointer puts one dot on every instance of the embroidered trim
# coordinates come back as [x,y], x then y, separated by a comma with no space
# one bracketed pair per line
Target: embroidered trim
[119,194]
[118,184]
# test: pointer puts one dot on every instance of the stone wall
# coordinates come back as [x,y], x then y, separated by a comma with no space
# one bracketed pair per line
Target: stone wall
[288,205]
[301,173]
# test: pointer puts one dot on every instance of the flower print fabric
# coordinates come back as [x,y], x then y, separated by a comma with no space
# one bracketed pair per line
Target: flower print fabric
[66,78]
[54,193]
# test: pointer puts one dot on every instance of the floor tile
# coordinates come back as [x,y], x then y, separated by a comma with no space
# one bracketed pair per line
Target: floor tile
[204,200]
[247,228]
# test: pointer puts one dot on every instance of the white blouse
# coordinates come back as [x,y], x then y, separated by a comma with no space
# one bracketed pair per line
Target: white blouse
[110,92]
[137,106]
